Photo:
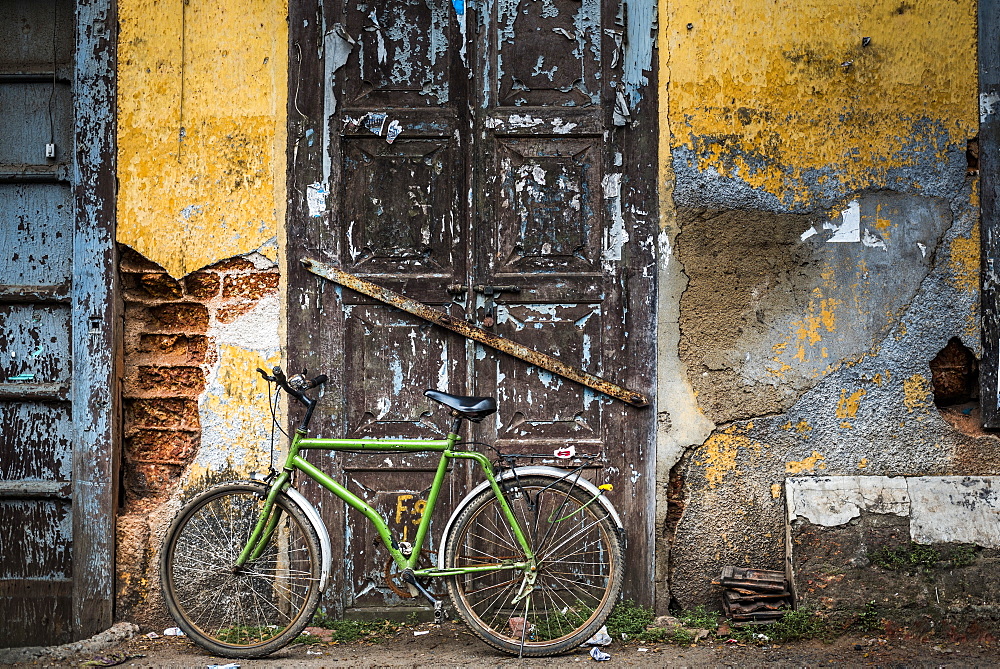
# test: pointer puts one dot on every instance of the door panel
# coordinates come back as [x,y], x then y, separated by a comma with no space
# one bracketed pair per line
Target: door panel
[544,52]
[402,55]
[57,447]
[393,357]
[398,207]
[506,170]
[401,497]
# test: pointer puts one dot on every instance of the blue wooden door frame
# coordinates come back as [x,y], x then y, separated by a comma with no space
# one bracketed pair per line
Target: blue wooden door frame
[96,321]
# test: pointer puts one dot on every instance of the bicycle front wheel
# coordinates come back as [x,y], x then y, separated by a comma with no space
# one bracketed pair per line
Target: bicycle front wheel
[578,567]
[240,612]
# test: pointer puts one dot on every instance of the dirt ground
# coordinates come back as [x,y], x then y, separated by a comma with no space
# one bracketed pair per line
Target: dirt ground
[450,645]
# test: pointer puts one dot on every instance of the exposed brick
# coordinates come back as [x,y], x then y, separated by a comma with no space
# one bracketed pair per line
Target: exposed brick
[203,285]
[250,286]
[144,479]
[171,380]
[189,315]
[161,446]
[161,285]
[135,262]
[191,347]
[230,314]
[232,264]
[161,413]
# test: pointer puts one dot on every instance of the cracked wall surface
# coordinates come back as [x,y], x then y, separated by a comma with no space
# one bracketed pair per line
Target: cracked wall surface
[201,155]
[819,250]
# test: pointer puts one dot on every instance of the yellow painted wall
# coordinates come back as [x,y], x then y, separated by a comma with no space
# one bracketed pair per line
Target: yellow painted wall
[787,84]
[201,128]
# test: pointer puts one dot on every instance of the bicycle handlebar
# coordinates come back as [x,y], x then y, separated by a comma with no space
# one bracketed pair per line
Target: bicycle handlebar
[296,386]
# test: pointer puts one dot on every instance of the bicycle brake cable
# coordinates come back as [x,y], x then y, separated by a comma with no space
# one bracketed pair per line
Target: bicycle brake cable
[274,424]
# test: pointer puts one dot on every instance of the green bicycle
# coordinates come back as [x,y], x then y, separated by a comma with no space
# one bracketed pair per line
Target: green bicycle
[533,556]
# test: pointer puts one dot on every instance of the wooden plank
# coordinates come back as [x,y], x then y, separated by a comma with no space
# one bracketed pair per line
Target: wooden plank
[61,489]
[34,391]
[96,321]
[48,600]
[17,294]
[309,310]
[989,200]
[475,333]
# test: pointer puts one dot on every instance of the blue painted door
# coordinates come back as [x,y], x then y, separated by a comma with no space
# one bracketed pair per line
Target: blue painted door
[56,327]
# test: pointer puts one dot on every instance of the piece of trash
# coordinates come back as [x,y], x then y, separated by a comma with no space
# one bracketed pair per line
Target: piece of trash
[392,132]
[375,122]
[601,638]
[222,666]
[421,632]
[565,453]
[313,652]
[517,626]
[642,650]
[731,641]
[152,635]
[173,631]
[599,654]
[762,637]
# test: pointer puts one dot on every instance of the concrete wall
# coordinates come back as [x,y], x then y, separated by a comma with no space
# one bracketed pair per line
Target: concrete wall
[818,249]
[201,108]
[821,251]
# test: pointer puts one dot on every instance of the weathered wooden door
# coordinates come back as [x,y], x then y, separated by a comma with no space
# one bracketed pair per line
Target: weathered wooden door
[56,321]
[470,159]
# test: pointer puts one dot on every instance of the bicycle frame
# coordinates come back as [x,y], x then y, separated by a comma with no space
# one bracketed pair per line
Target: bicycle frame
[269,516]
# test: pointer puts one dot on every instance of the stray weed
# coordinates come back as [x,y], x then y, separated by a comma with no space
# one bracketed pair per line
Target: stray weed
[700,617]
[628,618]
[675,635]
[373,631]
[914,558]
[793,626]
[868,621]
[801,624]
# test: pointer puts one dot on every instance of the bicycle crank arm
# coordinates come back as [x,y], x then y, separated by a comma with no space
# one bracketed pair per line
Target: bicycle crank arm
[409,578]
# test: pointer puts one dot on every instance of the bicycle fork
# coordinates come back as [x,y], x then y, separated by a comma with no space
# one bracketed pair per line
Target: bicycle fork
[270,515]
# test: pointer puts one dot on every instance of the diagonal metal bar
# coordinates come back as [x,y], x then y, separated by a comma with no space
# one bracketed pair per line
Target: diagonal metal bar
[475,333]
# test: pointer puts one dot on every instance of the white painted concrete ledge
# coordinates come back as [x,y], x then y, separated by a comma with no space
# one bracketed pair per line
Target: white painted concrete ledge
[941,509]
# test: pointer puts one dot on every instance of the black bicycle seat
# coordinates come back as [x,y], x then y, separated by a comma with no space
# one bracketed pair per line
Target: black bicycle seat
[473,408]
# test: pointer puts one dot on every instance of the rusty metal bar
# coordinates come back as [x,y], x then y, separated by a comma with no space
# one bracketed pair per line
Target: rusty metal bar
[478,334]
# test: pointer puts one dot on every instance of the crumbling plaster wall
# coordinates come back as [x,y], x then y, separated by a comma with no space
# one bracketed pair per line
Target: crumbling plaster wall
[201,142]
[820,246]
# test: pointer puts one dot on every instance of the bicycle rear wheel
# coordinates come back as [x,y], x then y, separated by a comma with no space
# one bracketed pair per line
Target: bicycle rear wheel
[240,612]
[579,565]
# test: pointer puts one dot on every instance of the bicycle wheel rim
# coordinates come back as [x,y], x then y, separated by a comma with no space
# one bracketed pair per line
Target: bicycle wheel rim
[260,606]
[578,575]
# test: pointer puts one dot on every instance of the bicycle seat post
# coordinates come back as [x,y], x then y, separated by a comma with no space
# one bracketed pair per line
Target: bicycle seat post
[457,423]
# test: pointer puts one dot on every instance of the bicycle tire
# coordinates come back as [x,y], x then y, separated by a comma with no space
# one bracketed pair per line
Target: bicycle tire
[580,567]
[248,612]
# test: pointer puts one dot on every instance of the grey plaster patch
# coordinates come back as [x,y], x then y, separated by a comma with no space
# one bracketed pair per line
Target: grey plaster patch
[922,171]
[892,434]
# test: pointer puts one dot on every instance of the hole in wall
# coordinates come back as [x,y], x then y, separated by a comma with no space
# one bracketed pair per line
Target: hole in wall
[955,375]
[955,380]
[972,156]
